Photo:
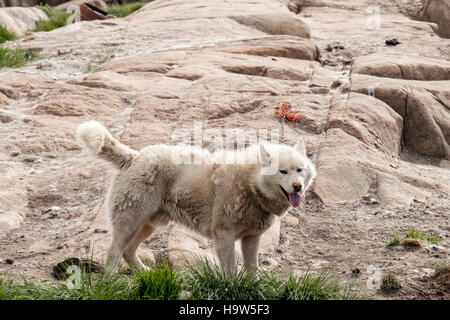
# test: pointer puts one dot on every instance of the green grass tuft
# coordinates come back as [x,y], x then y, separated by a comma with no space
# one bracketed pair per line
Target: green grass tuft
[14,58]
[312,287]
[390,283]
[124,10]
[3,289]
[92,287]
[396,239]
[422,236]
[48,10]
[57,18]
[96,62]
[6,35]
[206,281]
[441,268]
[162,283]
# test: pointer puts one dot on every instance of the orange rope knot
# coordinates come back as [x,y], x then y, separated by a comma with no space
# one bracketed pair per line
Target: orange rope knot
[286,107]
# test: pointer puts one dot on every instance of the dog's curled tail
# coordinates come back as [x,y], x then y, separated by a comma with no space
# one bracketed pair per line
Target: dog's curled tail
[97,139]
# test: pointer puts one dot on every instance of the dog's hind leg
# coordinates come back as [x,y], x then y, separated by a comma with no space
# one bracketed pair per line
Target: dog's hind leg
[250,246]
[133,200]
[130,250]
[116,248]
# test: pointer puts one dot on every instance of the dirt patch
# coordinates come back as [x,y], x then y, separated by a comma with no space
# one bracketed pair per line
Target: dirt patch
[436,287]
[37,201]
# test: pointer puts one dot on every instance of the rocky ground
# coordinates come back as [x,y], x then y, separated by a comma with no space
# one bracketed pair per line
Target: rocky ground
[375,118]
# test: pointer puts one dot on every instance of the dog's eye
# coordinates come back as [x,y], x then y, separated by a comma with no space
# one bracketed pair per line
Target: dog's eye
[283,171]
[299,170]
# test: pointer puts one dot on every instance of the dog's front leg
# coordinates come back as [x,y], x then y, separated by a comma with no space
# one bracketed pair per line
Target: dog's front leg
[250,246]
[224,244]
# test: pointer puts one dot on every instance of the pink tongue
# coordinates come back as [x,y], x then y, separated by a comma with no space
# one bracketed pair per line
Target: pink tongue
[294,199]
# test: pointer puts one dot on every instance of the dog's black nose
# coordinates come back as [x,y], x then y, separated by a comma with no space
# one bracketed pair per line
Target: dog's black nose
[297,187]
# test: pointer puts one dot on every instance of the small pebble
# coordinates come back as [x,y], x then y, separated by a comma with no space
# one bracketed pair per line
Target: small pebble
[336,83]
[392,42]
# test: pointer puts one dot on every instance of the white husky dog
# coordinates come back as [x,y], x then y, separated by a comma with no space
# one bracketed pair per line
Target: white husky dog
[224,202]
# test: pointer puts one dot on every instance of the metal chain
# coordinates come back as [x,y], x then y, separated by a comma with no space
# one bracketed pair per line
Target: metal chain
[283,123]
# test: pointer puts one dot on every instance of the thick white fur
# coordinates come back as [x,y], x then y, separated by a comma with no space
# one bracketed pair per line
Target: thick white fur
[92,135]
[224,202]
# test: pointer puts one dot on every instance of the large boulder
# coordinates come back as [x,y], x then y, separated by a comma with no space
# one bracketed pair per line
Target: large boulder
[275,24]
[394,102]
[67,4]
[437,11]
[401,83]
[359,158]
[347,173]
[402,67]
[20,20]
[29,3]
[378,127]
[19,3]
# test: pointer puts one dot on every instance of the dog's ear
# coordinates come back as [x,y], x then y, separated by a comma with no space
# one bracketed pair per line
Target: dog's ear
[264,156]
[300,147]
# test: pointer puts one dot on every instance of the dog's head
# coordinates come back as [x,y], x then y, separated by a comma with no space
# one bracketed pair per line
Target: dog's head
[286,172]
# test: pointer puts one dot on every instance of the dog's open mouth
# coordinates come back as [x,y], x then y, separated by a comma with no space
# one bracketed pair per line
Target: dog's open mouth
[293,198]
